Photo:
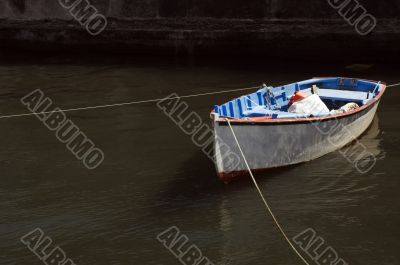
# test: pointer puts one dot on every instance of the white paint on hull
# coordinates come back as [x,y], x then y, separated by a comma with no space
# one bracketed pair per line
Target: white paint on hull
[275,145]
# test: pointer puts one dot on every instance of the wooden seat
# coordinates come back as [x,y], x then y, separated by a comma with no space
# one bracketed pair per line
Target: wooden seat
[343,95]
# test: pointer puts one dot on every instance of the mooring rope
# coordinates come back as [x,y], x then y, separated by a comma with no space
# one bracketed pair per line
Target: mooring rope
[134,102]
[125,103]
[398,84]
[264,200]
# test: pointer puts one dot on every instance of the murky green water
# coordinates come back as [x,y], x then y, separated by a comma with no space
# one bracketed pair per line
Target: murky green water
[154,177]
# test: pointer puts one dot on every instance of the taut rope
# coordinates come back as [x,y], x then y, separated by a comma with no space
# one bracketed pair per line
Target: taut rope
[264,200]
[126,103]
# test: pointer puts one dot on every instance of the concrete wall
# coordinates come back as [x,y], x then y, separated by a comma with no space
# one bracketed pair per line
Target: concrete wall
[298,29]
[285,9]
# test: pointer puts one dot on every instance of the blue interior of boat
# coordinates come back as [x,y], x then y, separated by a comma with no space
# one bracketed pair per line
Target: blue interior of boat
[274,101]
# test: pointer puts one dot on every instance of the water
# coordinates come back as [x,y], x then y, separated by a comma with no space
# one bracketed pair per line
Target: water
[154,177]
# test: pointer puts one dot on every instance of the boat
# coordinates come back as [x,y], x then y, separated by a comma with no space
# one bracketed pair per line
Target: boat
[270,135]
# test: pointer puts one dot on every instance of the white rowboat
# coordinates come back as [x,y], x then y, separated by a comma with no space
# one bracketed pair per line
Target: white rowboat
[271,137]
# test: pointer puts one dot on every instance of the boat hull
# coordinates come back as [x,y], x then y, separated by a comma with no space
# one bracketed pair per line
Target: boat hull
[271,145]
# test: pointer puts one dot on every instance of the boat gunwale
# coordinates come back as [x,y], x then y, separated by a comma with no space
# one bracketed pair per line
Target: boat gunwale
[269,121]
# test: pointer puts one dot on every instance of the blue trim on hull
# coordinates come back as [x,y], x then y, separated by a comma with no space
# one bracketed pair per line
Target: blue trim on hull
[274,101]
